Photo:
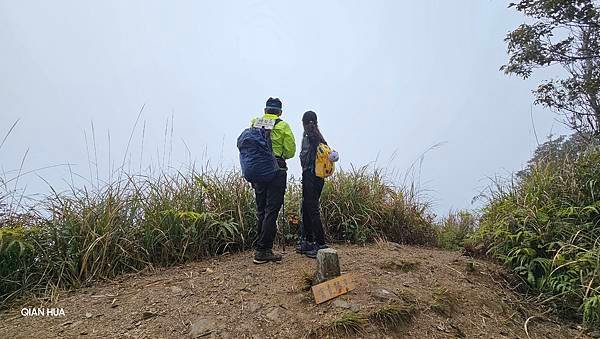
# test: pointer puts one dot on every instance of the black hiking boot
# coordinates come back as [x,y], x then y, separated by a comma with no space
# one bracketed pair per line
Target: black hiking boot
[262,257]
[322,246]
[303,247]
[312,251]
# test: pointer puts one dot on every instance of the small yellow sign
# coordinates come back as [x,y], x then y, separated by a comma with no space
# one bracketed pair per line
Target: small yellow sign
[332,288]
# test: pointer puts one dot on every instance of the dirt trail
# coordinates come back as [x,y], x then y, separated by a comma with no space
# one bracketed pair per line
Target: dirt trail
[229,297]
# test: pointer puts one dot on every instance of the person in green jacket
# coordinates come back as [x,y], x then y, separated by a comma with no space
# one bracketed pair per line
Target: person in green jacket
[269,196]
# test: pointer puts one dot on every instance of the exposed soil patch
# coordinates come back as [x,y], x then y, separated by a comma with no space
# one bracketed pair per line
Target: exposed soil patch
[400,292]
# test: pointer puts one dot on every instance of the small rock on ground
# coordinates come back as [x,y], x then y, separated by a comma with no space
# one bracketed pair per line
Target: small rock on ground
[253,306]
[383,294]
[341,303]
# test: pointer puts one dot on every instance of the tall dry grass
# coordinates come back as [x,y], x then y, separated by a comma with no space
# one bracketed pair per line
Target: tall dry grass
[83,235]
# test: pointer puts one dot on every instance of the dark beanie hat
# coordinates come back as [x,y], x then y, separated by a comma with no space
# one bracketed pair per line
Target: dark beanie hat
[309,116]
[274,103]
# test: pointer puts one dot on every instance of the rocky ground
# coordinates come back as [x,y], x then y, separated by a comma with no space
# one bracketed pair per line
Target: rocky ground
[431,294]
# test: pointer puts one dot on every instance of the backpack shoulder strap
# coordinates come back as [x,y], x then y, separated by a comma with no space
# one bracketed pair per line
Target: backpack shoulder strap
[269,131]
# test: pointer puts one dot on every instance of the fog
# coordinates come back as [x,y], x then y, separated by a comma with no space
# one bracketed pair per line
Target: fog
[388,80]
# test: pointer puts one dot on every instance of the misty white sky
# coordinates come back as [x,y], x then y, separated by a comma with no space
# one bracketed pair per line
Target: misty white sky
[388,80]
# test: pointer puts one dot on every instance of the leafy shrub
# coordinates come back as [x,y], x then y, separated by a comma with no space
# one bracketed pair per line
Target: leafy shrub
[455,229]
[546,226]
[16,256]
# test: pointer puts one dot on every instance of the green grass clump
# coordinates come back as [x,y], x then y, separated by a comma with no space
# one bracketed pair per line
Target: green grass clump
[591,310]
[393,316]
[349,323]
[545,225]
[307,281]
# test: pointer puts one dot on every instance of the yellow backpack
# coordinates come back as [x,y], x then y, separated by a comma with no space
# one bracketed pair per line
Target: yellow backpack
[323,166]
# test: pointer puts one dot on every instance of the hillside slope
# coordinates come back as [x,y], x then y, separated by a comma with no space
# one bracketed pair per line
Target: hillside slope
[448,295]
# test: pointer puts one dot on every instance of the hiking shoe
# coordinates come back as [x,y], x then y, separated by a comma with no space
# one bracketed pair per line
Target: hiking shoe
[311,252]
[303,247]
[261,257]
[322,246]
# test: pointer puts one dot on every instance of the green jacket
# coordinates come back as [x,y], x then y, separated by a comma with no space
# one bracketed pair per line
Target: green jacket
[282,138]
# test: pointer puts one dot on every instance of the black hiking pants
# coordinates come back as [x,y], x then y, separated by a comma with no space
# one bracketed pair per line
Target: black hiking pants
[312,186]
[269,198]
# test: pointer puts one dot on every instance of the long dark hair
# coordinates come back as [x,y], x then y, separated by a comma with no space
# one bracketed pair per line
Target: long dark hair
[311,128]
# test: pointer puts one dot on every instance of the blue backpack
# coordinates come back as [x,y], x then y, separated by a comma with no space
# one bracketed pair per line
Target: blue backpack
[258,163]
